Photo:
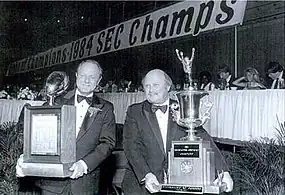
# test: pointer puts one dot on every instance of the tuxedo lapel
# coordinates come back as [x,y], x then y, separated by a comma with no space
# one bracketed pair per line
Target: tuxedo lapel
[153,123]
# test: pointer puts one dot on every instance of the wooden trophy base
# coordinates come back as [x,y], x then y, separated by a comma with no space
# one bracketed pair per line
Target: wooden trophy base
[47,170]
[49,140]
[191,168]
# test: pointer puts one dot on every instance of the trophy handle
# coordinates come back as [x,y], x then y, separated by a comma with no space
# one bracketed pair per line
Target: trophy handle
[207,114]
[175,112]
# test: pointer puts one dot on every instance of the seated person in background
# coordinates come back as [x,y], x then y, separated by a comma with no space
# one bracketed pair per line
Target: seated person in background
[275,72]
[205,81]
[225,78]
[250,80]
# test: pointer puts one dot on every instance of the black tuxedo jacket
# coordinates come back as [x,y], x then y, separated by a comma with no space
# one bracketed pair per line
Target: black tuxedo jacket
[270,82]
[94,143]
[143,146]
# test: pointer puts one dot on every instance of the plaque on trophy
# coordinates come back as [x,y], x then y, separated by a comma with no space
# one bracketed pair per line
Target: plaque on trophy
[191,161]
[49,133]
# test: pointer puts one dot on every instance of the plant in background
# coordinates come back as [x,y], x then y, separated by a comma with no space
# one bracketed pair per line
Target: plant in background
[26,94]
[259,168]
[11,146]
[5,95]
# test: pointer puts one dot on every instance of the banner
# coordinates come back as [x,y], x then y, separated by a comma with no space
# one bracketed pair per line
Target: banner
[180,19]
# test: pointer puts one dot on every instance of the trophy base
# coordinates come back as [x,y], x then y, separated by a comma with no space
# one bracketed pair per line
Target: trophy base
[47,170]
[189,189]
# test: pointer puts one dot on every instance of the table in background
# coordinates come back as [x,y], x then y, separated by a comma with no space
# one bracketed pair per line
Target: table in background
[237,115]
[10,109]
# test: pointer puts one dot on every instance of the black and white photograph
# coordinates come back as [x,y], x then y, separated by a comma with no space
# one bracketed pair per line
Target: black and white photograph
[142,97]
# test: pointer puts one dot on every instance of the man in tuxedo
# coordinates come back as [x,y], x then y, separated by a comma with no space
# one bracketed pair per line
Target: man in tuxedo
[275,72]
[95,135]
[148,132]
[225,78]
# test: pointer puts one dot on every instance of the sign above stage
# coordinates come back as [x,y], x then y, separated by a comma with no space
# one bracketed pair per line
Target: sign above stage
[180,19]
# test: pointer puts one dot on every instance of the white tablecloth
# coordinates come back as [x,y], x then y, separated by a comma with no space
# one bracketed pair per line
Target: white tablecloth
[246,115]
[10,109]
[237,115]
[121,101]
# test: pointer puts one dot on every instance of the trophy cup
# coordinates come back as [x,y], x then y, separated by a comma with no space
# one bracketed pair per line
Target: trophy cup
[191,166]
[50,133]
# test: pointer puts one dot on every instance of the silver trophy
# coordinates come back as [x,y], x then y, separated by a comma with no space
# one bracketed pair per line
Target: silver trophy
[191,160]
[187,112]
[56,83]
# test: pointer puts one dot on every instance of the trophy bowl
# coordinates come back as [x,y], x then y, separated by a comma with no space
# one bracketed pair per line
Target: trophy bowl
[187,112]
[57,82]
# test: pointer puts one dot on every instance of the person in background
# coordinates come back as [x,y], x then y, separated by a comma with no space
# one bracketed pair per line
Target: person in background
[148,133]
[225,78]
[276,73]
[95,135]
[250,80]
[205,81]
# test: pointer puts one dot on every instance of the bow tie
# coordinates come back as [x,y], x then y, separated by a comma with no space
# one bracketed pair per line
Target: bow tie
[81,97]
[154,108]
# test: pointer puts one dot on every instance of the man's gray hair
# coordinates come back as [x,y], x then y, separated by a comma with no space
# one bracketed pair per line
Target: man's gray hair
[92,62]
[166,77]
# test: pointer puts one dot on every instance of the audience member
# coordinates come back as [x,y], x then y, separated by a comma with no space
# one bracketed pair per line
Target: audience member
[250,80]
[225,78]
[276,73]
[205,81]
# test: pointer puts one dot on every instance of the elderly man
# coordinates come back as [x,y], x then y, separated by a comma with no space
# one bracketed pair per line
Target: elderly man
[148,132]
[95,135]
[275,72]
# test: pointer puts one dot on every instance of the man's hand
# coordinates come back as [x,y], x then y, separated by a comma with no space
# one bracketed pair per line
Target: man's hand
[20,166]
[151,183]
[79,169]
[225,181]
[187,63]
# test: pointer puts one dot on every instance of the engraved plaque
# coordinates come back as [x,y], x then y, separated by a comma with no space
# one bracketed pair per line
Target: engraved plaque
[44,134]
[186,150]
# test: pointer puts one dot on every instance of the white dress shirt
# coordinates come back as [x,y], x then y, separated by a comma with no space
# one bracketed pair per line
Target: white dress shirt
[228,82]
[275,80]
[209,87]
[81,109]
[162,119]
